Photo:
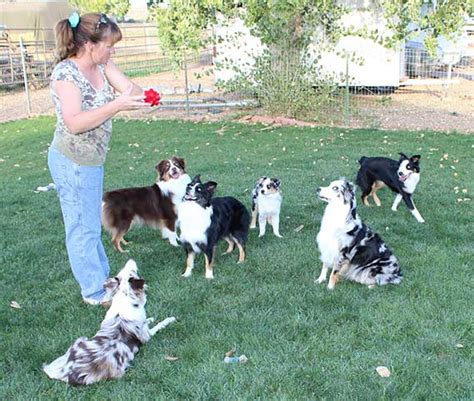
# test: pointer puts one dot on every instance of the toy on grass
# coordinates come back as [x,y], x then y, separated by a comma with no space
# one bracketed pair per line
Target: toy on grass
[236,359]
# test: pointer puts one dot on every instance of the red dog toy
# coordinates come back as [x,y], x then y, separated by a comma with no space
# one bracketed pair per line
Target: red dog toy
[152,97]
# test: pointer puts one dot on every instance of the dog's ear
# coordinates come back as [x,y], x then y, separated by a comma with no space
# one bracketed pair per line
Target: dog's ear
[276,182]
[137,284]
[403,156]
[179,161]
[210,186]
[415,159]
[197,178]
[348,191]
[161,168]
[111,285]
[261,179]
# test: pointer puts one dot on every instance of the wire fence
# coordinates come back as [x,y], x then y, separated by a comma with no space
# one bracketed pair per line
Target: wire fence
[138,53]
[418,84]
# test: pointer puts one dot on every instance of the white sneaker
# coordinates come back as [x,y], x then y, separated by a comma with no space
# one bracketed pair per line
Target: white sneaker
[91,301]
[103,302]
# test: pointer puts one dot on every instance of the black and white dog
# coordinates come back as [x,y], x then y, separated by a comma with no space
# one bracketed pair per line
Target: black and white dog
[124,329]
[400,176]
[204,221]
[348,246]
[266,204]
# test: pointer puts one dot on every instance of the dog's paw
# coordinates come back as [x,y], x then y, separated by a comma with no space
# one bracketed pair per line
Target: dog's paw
[173,240]
[331,285]
[320,280]
[150,320]
[185,274]
[253,226]
[169,320]
[279,235]
[209,276]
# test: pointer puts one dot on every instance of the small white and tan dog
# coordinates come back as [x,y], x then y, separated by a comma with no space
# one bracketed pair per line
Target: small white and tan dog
[266,204]
[124,329]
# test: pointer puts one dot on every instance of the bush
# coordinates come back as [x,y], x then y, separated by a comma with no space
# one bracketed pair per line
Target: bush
[288,82]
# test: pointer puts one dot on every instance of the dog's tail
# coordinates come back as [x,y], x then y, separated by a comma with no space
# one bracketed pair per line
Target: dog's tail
[384,279]
[390,277]
[58,369]
[362,160]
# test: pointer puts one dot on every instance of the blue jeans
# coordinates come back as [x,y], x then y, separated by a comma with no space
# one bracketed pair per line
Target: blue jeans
[80,194]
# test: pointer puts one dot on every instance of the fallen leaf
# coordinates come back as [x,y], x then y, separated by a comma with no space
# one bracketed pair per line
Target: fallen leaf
[171,358]
[383,371]
[299,228]
[15,305]
[459,345]
[230,353]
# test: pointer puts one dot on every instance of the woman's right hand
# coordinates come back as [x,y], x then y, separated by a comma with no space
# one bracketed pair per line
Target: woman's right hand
[127,101]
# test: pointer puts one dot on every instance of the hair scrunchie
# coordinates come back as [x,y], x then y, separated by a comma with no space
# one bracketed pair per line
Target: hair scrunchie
[74,19]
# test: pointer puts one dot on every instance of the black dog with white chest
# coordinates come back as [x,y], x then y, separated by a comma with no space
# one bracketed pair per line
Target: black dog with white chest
[400,176]
[204,221]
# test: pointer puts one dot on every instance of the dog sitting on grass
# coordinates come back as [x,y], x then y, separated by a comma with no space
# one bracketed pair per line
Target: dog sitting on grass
[348,246]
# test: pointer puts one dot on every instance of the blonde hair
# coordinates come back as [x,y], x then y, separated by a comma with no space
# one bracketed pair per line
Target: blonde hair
[92,27]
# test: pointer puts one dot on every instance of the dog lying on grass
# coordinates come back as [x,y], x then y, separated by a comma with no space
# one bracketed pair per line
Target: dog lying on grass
[124,329]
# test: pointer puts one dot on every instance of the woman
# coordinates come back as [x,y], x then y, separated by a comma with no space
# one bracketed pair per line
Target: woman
[83,87]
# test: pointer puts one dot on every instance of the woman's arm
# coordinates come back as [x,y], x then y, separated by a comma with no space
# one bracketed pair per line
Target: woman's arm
[79,121]
[119,80]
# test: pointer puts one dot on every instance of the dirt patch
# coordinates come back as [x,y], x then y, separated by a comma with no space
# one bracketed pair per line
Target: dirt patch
[427,107]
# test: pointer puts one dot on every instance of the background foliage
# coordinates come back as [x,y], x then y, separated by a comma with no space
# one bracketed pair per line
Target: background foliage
[283,25]
[433,17]
[117,8]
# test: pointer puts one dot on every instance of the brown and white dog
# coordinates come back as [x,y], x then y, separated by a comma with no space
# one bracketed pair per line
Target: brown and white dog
[154,206]
[124,329]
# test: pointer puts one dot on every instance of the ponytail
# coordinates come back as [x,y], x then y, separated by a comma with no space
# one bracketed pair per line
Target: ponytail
[91,27]
[66,46]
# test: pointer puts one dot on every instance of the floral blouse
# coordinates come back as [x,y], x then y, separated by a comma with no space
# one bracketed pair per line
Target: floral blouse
[88,148]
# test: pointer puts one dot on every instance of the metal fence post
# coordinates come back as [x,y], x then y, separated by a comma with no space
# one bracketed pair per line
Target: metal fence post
[186,89]
[450,71]
[45,70]
[346,94]
[25,75]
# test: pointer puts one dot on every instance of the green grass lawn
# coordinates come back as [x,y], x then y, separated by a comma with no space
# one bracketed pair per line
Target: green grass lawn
[302,341]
